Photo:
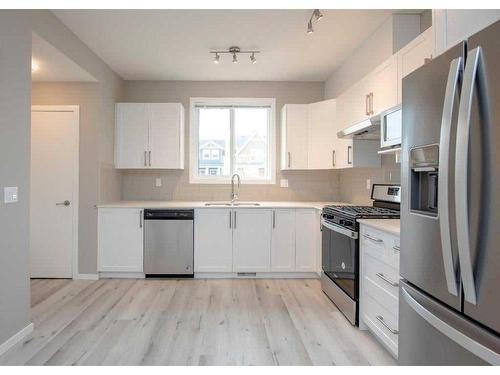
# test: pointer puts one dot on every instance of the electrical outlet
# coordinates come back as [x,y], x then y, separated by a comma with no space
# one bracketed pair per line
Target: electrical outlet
[158,182]
[284,183]
[368,184]
[10,194]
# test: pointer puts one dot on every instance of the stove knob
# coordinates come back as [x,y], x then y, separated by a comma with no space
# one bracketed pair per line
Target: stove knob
[342,222]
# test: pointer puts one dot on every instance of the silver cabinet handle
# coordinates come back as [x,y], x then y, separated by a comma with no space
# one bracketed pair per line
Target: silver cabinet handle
[461,174]
[382,276]
[289,160]
[349,152]
[65,203]
[230,215]
[145,158]
[333,158]
[141,218]
[367,110]
[380,318]
[274,219]
[396,248]
[378,240]
[443,181]
[370,97]
[150,158]
[234,221]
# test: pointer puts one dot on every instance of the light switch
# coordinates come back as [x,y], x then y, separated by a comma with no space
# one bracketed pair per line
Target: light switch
[10,194]
[284,183]
[158,182]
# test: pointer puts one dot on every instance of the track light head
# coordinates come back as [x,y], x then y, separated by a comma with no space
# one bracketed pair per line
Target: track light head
[310,29]
[235,58]
[216,58]
[252,58]
[317,14]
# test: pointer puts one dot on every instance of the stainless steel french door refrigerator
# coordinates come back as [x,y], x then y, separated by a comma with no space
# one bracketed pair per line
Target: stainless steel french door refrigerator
[450,208]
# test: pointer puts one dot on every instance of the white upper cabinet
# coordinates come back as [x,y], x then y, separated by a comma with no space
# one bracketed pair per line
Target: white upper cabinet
[294,136]
[283,241]
[451,26]
[353,105]
[149,135]
[251,240]
[414,55]
[322,135]
[120,240]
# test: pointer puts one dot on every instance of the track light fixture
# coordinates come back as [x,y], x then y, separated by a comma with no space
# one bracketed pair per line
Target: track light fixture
[316,15]
[234,51]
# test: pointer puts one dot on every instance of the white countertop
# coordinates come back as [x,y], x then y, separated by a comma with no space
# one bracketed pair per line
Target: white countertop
[387,225]
[199,204]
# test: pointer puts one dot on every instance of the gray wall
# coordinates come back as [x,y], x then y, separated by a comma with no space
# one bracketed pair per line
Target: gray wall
[15,81]
[16,28]
[305,185]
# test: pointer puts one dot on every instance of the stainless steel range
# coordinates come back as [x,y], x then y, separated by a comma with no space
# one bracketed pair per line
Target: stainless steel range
[340,246]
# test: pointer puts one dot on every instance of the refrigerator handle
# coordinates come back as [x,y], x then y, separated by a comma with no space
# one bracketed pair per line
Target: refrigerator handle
[443,182]
[461,173]
[447,329]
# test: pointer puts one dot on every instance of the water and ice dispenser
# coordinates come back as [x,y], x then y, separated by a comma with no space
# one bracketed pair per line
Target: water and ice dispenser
[424,165]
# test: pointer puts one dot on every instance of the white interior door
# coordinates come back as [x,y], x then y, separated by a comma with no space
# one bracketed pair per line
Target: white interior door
[54,181]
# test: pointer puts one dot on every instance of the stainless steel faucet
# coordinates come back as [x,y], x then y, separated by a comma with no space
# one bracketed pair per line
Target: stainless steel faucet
[234,195]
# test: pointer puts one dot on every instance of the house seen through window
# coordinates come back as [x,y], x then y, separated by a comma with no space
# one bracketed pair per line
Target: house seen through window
[233,139]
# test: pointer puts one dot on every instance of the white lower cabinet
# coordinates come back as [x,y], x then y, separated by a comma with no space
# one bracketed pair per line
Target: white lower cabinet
[251,240]
[213,240]
[307,229]
[283,241]
[120,240]
[379,285]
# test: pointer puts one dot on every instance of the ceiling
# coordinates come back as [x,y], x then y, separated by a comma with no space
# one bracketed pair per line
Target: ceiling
[174,44]
[54,66]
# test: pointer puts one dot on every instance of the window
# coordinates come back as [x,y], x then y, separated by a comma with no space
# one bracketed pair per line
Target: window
[232,135]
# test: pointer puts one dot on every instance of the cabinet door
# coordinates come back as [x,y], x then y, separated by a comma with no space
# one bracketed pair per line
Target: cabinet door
[131,135]
[251,240]
[322,135]
[307,231]
[283,241]
[295,135]
[414,55]
[384,86]
[213,240]
[166,135]
[120,240]
[352,105]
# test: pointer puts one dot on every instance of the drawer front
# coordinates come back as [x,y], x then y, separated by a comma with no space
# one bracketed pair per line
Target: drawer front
[382,275]
[382,246]
[382,323]
[381,295]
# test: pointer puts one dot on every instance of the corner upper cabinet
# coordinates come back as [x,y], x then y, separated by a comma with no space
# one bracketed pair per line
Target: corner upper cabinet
[294,136]
[149,136]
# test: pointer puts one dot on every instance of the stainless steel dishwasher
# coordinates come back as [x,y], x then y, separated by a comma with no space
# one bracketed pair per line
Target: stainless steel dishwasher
[168,243]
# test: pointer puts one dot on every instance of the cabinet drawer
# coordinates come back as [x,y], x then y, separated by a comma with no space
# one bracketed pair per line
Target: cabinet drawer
[382,323]
[386,277]
[381,245]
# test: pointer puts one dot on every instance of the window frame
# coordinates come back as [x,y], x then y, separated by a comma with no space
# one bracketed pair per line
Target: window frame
[194,178]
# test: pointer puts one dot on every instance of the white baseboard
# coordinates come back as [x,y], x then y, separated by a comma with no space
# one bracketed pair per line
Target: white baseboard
[259,275]
[86,276]
[16,338]
[121,275]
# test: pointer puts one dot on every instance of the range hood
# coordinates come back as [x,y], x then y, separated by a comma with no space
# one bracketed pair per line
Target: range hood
[367,129]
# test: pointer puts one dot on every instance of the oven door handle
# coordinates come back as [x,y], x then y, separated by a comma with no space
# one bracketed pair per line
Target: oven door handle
[339,229]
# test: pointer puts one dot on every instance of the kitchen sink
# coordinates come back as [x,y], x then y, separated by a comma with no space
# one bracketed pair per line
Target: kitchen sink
[229,204]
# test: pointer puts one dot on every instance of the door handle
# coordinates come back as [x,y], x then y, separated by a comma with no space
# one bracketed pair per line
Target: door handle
[443,181]
[141,218]
[145,158]
[380,318]
[390,282]
[274,219]
[461,173]
[65,203]
[378,240]
[289,160]
[234,221]
[150,158]
[333,158]
[367,110]
[371,103]
[230,215]
[396,248]
[349,152]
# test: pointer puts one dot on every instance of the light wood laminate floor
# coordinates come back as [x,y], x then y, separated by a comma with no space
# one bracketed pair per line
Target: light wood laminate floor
[190,322]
